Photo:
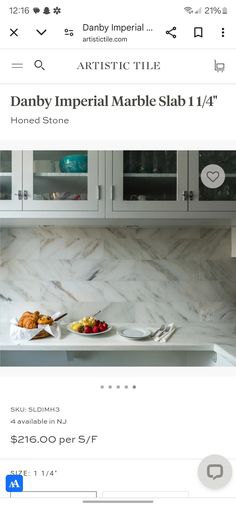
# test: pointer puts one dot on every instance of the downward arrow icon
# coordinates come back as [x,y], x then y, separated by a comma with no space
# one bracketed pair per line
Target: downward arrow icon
[41,33]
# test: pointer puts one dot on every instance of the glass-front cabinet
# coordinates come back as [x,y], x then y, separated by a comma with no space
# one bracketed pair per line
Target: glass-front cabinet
[212,180]
[148,180]
[10,180]
[52,181]
[61,180]
[117,184]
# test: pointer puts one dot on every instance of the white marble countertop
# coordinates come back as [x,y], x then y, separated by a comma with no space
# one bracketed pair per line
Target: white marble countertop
[218,337]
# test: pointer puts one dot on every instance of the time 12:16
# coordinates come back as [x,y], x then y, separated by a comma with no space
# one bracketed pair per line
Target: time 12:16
[19,10]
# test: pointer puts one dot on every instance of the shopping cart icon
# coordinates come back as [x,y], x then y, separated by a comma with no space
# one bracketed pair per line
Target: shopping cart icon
[219,67]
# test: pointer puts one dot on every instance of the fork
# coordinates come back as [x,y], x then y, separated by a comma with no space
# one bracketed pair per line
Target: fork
[158,333]
[169,330]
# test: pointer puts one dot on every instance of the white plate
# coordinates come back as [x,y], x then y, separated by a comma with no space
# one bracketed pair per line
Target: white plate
[87,335]
[135,333]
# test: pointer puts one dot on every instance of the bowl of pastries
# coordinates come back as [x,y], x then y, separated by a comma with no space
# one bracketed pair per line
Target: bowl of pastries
[35,320]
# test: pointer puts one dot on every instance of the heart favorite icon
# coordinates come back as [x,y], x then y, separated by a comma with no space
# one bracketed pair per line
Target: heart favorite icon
[213,176]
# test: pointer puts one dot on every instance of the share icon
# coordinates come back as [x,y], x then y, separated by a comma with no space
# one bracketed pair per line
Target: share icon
[169,32]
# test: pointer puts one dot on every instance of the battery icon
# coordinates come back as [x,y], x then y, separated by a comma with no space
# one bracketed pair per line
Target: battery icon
[224,10]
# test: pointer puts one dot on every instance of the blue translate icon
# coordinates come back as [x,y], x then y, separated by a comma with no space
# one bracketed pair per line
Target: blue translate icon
[14,483]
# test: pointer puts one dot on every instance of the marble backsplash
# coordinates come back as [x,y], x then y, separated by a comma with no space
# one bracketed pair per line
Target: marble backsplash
[132,274]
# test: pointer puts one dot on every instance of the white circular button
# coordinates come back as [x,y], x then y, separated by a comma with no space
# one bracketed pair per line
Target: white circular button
[215,472]
[213,176]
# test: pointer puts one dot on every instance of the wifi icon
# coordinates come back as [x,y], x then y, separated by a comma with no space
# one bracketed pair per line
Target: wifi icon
[189,10]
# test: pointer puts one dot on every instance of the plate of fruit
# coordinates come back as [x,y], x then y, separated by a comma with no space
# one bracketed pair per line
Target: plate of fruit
[89,326]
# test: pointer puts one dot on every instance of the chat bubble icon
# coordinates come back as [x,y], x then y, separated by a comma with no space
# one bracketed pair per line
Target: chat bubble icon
[215,471]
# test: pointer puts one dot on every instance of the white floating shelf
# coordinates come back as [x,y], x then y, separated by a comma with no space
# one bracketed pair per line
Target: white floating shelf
[5,174]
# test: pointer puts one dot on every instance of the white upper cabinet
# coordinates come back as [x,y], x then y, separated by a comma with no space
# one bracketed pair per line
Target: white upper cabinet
[11,180]
[117,184]
[45,181]
[145,183]
[61,180]
[212,180]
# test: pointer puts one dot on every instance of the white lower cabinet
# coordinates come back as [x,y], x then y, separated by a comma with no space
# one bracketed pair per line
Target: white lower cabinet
[168,358]
[221,361]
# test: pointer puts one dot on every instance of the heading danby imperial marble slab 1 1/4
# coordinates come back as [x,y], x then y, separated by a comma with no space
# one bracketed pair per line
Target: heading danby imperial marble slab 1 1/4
[94,101]
[112,101]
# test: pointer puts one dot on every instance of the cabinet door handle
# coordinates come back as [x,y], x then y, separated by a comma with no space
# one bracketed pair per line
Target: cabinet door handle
[185,195]
[112,192]
[191,195]
[98,192]
[26,194]
[19,194]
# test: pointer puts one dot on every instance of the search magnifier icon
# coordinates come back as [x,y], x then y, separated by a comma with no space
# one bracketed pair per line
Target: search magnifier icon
[39,64]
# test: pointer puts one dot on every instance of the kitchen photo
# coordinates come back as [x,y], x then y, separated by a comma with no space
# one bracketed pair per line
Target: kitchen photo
[118,258]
